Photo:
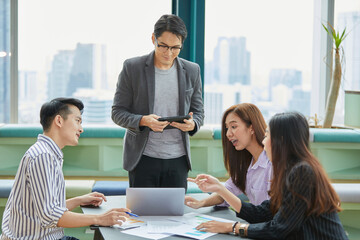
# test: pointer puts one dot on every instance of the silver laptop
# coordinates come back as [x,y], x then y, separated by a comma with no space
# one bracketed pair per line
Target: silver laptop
[156,201]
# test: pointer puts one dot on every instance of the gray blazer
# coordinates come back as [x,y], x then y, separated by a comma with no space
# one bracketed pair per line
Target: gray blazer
[134,98]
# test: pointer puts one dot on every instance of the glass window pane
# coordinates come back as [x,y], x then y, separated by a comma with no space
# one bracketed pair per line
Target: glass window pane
[259,52]
[76,48]
[347,14]
[4,61]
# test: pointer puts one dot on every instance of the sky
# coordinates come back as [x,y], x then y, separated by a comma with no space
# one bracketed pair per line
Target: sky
[46,26]
[279,33]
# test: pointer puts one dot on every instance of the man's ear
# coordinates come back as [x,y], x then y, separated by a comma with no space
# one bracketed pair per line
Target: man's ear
[58,121]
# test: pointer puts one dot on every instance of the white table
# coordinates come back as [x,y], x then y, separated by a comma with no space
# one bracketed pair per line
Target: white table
[109,233]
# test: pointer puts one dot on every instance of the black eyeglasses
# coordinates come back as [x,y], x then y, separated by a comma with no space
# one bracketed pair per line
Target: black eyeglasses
[164,48]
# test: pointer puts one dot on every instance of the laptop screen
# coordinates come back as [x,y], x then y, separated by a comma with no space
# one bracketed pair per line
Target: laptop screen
[156,201]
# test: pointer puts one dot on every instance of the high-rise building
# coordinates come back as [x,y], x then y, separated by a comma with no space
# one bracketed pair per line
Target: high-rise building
[27,86]
[59,76]
[30,99]
[88,69]
[219,97]
[300,101]
[281,96]
[4,61]
[81,73]
[231,61]
[286,93]
[97,111]
[97,105]
[351,54]
[213,107]
[239,60]
[209,72]
[221,61]
[287,77]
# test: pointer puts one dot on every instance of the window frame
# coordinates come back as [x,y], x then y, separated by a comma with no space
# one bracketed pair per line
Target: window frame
[14,71]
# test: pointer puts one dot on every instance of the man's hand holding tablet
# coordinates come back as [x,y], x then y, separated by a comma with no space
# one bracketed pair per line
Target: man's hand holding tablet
[179,119]
[186,125]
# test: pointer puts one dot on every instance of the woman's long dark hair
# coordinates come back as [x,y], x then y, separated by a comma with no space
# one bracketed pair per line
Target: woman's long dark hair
[289,134]
[237,162]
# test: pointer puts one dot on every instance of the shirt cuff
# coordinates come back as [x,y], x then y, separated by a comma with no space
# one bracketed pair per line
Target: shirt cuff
[55,216]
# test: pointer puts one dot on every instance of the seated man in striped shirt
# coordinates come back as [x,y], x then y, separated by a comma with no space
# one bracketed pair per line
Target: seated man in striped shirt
[37,207]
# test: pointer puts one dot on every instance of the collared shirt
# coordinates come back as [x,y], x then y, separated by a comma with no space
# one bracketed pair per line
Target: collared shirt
[258,181]
[37,199]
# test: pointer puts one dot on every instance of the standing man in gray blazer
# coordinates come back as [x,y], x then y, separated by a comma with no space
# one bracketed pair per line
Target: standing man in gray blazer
[160,84]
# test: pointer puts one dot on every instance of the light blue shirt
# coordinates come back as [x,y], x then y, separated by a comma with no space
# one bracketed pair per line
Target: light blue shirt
[258,181]
[37,200]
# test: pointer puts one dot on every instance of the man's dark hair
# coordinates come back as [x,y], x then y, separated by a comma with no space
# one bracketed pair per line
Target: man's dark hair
[173,24]
[57,106]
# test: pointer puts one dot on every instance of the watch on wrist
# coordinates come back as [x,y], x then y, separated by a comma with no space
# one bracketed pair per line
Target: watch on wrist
[242,230]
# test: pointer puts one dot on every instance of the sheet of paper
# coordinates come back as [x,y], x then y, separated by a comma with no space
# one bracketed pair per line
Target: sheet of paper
[154,218]
[191,232]
[143,232]
[190,222]
[196,219]
[164,226]
[130,223]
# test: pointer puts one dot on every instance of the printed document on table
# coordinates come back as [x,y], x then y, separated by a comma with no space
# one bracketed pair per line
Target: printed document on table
[191,232]
[160,227]
[196,219]
[143,232]
[164,226]
[130,223]
[191,221]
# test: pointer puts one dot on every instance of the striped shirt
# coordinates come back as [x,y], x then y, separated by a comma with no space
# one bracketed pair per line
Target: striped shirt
[37,199]
[258,181]
[291,221]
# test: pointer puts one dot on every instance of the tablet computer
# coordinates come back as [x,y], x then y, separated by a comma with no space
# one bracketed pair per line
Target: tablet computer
[179,119]
[156,201]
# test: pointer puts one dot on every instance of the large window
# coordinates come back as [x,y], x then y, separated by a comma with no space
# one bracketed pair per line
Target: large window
[4,61]
[259,52]
[270,53]
[76,48]
[347,14]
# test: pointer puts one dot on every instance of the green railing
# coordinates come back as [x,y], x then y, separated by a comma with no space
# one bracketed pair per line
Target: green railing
[99,153]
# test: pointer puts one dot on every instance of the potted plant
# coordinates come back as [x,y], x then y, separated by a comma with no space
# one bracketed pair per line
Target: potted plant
[337,38]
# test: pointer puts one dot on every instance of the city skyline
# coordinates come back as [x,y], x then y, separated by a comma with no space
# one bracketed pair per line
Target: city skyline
[59,34]
[284,91]
[64,62]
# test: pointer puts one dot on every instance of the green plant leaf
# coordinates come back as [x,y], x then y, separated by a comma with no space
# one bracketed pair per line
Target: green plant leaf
[325,29]
[335,35]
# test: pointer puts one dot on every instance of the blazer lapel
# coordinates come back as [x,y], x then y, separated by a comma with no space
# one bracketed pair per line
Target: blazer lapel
[181,82]
[150,80]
